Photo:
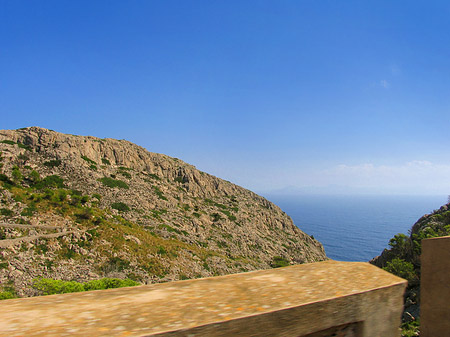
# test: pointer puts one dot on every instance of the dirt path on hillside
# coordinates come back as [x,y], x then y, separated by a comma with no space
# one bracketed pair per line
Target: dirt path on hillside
[11,242]
[22,226]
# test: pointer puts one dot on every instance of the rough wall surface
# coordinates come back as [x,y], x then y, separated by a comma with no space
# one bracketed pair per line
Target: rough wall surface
[435,287]
[293,301]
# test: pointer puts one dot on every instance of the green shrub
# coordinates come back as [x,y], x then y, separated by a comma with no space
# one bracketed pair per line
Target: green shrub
[125,174]
[399,244]
[76,192]
[109,283]
[170,229]
[75,200]
[105,161]
[34,177]
[402,269]
[116,264]
[29,211]
[8,182]
[221,244]
[23,146]
[110,182]
[411,329]
[23,157]
[120,206]
[230,216]
[53,163]
[49,286]
[6,212]
[161,251]
[154,176]
[184,277]
[84,214]
[93,167]
[215,217]
[90,161]
[279,261]
[6,141]
[16,174]
[97,196]
[6,295]
[53,181]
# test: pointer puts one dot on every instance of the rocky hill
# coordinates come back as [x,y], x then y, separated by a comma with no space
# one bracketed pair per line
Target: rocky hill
[81,208]
[403,257]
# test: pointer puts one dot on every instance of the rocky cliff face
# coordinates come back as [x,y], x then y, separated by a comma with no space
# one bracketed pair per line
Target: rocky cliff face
[80,208]
[403,257]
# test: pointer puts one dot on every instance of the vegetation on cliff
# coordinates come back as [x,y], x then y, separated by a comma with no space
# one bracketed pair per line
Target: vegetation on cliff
[403,259]
[76,208]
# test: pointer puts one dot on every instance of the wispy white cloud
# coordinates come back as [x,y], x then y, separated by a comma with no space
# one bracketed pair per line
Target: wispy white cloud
[385,84]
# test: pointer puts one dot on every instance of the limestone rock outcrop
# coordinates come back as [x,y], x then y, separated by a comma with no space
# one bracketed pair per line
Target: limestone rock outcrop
[117,202]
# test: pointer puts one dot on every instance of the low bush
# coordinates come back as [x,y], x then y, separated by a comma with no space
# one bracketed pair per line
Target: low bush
[170,229]
[84,214]
[29,211]
[54,181]
[23,157]
[110,182]
[215,217]
[6,212]
[16,174]
[90,161]
[50,286]
[401,268]
[34,177]
[279,261]
[109,283]
[8,182]
[6,295]
[97,196]
[120,206]
[23,146]
[53,163]
[154,176]
[125,174]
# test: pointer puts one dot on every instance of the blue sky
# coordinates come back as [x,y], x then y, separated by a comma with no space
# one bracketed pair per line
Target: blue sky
[305,96]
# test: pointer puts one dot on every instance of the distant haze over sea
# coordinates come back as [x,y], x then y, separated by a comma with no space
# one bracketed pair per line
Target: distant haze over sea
[355,227]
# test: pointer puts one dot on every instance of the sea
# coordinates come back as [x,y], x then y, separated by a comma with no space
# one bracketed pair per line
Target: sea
[355,228]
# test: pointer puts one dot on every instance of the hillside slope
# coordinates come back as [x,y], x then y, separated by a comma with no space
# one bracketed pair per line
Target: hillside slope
[81,208]
[403,257]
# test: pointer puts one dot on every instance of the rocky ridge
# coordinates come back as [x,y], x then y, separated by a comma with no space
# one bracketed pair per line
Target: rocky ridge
[403,256]
[81,208]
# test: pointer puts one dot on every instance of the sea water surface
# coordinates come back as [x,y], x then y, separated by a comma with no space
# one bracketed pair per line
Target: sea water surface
[355,228]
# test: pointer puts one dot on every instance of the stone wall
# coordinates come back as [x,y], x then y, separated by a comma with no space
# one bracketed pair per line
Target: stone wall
[435,287]
[319,299]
